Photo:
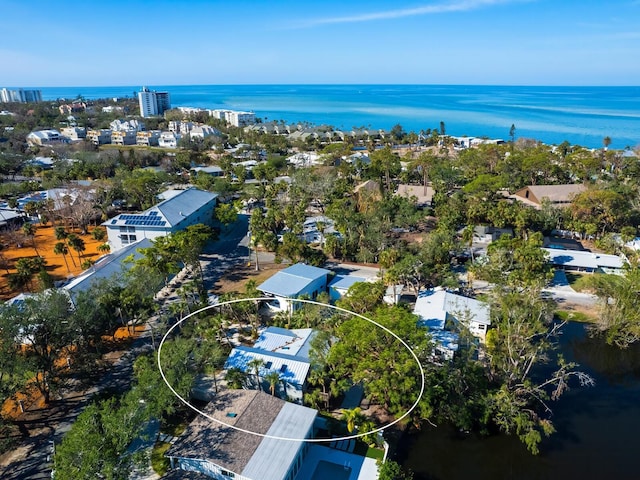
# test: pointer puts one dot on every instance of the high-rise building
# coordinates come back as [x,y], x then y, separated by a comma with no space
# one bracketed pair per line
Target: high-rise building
[152,102]
[20,95]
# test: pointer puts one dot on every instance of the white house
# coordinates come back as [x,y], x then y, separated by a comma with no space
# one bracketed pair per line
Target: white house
[105,267]
[283,351]
[45,137]
[341,284]
[437,307]
[584,261]
[181,209]
[169,139]
[293,282]
[220,452]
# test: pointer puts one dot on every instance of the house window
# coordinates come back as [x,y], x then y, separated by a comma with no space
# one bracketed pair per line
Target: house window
[268,365]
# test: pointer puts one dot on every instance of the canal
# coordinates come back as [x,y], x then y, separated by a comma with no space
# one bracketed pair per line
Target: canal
[597,435]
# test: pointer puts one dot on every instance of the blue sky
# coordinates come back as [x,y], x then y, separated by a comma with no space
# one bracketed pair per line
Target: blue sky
[162,42]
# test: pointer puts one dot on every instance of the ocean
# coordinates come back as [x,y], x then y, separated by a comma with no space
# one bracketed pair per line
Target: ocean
[580,115]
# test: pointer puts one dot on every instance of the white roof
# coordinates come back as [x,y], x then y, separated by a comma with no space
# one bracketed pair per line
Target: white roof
[286,342]
[435,306]
[583,259]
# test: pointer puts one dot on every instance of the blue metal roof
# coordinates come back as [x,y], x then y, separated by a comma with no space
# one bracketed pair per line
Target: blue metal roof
[345,281]
[294,372]
[292,281]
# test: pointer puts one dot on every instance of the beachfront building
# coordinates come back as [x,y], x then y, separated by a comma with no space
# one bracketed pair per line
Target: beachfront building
[279,350]
[437,309]
[294,282]
[180,209]
[557,195]
[585,261]
[153,103]
[20,95]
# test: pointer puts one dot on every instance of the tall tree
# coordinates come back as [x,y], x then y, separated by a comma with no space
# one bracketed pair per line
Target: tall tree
[60,248]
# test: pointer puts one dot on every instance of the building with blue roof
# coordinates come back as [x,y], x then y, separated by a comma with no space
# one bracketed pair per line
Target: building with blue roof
[179,210]
[438,308]
[340,284]
[294,282]
[280,350]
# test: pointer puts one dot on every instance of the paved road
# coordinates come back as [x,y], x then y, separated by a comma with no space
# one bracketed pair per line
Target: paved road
[31,459]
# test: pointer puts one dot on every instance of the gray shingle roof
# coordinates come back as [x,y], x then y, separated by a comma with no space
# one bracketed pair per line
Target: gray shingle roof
[252,456]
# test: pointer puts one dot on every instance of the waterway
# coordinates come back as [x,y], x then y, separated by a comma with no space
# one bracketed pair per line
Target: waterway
[597,428]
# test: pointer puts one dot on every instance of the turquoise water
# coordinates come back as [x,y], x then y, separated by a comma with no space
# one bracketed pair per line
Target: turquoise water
[580,115]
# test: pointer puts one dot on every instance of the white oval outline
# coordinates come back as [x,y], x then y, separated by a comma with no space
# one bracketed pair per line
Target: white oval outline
[289,439]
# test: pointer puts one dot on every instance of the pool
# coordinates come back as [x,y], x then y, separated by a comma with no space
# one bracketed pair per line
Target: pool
[327,470]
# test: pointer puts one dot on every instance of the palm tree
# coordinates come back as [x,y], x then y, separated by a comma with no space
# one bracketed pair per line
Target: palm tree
[30,231]
[77,244]
[104,248]
[61,248]
[61,233]
[255,364]
[273,378]
[353,417]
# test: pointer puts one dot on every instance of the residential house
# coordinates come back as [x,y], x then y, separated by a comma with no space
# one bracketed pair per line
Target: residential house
[304,159]
[203,131]
[438,308]
[340,284]
[126,125]
[180,209]
[148,138]
[99,137]
[217,446]
[557,195]
[283,351]
[294,282]
[106,267]
[169,139]
[45,137]
[585,261]
[213,170]
[124,137]
[218,450]
[74,134]
[422,195]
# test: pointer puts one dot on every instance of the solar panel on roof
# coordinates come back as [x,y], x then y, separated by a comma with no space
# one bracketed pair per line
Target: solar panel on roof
[153,214]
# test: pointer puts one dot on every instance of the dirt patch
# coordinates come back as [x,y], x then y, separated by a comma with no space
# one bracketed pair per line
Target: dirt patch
[236,279]
[45,241]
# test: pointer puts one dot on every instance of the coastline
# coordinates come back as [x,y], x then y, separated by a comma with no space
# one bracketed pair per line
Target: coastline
[580,115]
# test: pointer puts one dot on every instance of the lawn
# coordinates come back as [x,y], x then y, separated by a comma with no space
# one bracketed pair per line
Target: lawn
[159,462]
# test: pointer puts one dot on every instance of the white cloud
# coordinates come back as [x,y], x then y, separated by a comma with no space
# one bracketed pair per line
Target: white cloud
[449,7]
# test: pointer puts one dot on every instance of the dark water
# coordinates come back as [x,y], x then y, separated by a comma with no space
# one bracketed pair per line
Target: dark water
[598,429]
[579,115]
